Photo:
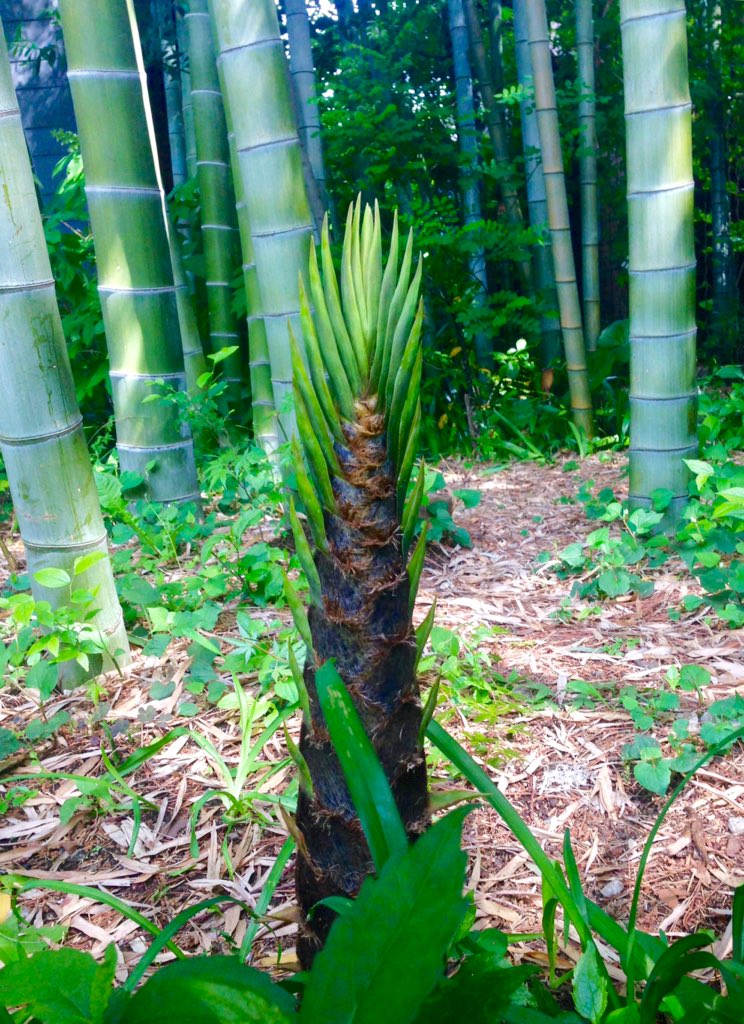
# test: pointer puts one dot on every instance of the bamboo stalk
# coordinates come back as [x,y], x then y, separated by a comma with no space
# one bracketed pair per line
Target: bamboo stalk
[560,228]
[187,111]
[302,69]
[466,133]
[663,396]
[133,253]
[41,429]
[494,116]
[219,223]
[537,203]
[164,18]
[261,111]
[588,173]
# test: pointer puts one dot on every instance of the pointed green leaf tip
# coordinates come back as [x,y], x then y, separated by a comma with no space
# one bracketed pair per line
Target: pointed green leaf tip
[362,342]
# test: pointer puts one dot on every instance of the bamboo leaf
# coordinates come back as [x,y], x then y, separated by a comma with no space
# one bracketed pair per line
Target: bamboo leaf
[389,282]
[299,615]
[337,363]
[357,278]
[423,631]
[335,314]
[406,381]
[315,457]
[406,465]
[373,276]
[318,421]
[299,681]
[352,313]
[317,367]
[429,708]
[413,311]
[411,510]
[295,753]
[309,500]
[304,554]
[415,566]
[396,306]
[411,408]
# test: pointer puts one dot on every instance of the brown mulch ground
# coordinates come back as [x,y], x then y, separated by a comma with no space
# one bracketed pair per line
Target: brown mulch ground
[560,765]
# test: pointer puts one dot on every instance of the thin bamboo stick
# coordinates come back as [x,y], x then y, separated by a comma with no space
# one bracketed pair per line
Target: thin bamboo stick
[560,228]
[537,203]
[469,186]
[588,173]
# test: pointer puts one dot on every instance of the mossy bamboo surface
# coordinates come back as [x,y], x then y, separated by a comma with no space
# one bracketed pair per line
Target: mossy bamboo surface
[358,413]
[133,253]
[258,96]
[41,429]
[560,227]
[469,184]
[588,173]
[218,217]
[537,203]
[663,397]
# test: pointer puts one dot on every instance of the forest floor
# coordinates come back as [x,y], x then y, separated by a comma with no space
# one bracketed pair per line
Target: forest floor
[552,744]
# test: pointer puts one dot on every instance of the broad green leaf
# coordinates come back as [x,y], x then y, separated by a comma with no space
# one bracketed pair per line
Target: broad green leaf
[9,743]
[590,986]
[469,497]
[85,562]
[209,990]
[653,775]
[479,993]
[52,577]
[614,582]
[62,986]
[387,953]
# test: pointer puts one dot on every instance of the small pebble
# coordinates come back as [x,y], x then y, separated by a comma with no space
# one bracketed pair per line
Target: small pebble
[613,888]
[736,826]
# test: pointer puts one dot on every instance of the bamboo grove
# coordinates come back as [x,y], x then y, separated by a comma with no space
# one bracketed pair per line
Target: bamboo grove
[332,365]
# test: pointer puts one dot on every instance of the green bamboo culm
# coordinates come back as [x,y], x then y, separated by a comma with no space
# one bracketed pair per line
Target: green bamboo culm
[588,173]
[663,397]
[560,228]
[260,110]
[41,429]
[131,237]
[219,226]
[358,415]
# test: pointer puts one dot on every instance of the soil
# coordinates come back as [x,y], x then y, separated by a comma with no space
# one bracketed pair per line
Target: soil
[555,753]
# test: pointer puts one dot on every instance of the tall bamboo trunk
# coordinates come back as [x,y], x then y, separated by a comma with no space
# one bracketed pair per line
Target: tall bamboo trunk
[164,19]
[537,203]
[496,125]
[265,426]
[358,414]
[131,236]
[662,252]
[258,95]
[187,111]
[560,227]
[469,185]
[218,217]
[302,69]
[588,173]
[724,314]
[41,429]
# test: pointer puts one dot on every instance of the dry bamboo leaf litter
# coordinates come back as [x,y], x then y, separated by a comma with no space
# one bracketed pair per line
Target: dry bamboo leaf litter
[561,766]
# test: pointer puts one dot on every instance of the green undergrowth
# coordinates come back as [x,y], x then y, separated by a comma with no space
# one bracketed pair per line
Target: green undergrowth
[407,950]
